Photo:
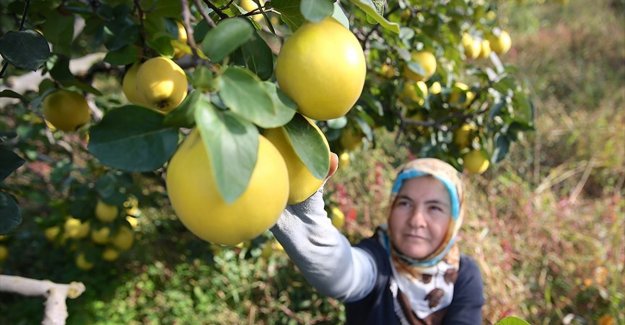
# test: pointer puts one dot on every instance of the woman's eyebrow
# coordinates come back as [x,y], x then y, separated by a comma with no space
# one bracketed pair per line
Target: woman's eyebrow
[404,196]
[436,201]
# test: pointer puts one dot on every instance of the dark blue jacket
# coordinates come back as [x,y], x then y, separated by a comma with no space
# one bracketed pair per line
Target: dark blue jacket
[377,308]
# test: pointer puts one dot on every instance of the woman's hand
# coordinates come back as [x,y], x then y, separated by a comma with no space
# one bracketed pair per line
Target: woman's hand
[334,165]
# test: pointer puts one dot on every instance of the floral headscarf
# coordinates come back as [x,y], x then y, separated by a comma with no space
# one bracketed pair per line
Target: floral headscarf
[424,287]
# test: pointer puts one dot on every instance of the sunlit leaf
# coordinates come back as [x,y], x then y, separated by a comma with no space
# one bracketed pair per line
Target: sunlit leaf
[284,106]
[309,145]
[229,34]
[369,8]
[290,13]
[512,320]
[232,144]
[246,95]
[339,15]
[316,10]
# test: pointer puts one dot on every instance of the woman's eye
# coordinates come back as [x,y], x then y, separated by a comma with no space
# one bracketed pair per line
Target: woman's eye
[436,208]
[403,203]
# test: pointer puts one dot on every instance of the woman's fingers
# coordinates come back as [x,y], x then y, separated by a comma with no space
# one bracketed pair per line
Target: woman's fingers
[334,164]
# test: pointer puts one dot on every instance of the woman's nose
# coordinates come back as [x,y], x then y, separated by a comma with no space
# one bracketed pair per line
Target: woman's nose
[417,219]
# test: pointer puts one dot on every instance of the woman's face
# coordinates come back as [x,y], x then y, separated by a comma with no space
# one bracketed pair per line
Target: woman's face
[419,216]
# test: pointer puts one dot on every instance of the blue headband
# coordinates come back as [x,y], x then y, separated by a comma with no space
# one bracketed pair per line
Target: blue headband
[451,188]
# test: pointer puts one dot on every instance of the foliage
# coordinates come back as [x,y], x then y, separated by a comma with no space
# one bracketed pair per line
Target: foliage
[230,65]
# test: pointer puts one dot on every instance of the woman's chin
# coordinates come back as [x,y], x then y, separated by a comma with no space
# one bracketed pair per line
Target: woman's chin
[414,252]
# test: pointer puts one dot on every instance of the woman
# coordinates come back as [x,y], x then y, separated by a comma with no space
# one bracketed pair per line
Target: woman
[410,271]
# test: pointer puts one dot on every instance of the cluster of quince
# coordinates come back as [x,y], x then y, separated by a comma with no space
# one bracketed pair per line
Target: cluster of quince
[104,237]
[322,91]
[415,91]
[497,41]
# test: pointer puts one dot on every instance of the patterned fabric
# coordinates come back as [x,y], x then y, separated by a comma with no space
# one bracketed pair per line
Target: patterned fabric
[424,288]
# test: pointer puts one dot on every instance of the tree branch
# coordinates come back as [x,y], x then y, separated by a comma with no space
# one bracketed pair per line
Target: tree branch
[56,294]
[204,14]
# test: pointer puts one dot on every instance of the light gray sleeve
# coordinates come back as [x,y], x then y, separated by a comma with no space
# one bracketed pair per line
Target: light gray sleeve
[324,256]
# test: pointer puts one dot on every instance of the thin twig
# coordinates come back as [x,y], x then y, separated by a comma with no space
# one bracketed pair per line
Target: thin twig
[186,22]
[226,5]
[580,185]
[204,14]
[217,10]
[142,30]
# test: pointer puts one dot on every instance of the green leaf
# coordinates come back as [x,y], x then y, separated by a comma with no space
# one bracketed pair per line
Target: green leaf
[512,320]
[133,138]
[123,56]
[364,126]
[8,93]
[202,78]
[369,8]
[289,13]
[10,214]
[9,161]
[162,45]
[416,68]
[505,84]
[309,145]
[316,10]
[502,146]
[496,109]
[82,86]
[337,123]
[111,188]
[61,73]
[524,109]
[232,146]
[229,34]
[246,95]
[200,30]
[121,24]
[184,114]
[256,56]
[339,15]
[59,30]
[26,49]
[164,8]
[284,106]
